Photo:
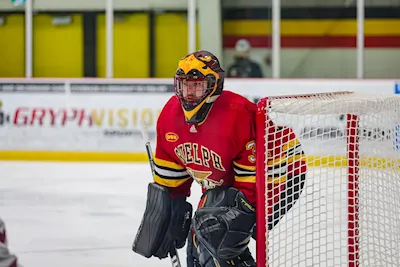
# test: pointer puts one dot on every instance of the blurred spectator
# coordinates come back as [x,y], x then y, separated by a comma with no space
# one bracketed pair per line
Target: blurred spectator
[6,258]
[2,115]
[244,67]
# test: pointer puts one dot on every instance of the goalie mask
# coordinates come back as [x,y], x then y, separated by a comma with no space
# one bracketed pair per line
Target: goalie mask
[199,81]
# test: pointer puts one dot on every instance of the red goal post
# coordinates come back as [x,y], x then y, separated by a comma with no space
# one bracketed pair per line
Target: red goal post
[348,213]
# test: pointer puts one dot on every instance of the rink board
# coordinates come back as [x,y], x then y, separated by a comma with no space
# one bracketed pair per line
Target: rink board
[66,156]
[99,119]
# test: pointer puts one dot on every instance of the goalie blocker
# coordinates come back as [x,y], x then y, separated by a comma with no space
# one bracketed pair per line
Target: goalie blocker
[165,224]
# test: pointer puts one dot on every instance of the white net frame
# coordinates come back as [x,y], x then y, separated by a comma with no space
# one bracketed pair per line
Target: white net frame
[348,213]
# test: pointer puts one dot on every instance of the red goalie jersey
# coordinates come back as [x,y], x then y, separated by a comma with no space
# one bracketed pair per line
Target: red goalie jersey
[286,172]
[220,151]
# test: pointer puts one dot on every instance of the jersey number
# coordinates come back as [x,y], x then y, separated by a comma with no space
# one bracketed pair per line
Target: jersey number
[252,146]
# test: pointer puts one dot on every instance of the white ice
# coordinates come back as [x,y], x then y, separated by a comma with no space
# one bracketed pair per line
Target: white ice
[76,214]
[87,215]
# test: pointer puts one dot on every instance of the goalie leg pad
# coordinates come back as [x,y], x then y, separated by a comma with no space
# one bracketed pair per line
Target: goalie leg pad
[155,221]
[165,223]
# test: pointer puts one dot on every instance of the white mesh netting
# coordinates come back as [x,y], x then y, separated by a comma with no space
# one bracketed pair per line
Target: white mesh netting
[348,214]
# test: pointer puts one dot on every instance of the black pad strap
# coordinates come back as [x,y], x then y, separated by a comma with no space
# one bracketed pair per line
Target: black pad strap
[175,236]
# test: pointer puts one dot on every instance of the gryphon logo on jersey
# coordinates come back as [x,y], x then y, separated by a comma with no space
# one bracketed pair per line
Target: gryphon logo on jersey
[201,177]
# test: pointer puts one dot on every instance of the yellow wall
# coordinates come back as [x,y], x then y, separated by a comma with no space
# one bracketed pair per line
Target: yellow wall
[131,46]
[57,49]
[312,27]
[12,46]
[171,42]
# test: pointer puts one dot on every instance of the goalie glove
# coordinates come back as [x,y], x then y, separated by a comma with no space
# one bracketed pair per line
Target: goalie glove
[225,223]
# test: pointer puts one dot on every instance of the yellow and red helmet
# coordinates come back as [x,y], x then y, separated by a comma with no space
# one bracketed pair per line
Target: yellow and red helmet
[199,81]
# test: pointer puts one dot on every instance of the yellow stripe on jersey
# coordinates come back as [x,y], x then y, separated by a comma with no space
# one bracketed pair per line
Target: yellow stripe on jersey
[276,162]
[290,144]
[169,173]
[168,164]
[245,167]
[245,179]
[277,180]
[170,182]
[296,157]
[293,148]
[277,169]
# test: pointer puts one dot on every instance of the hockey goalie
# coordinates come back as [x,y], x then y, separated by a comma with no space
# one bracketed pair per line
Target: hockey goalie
[207,135]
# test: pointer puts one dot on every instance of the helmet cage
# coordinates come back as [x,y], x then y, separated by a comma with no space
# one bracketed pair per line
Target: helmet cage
[193,88]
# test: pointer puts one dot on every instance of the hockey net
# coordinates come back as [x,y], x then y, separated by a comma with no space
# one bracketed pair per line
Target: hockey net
[348,212]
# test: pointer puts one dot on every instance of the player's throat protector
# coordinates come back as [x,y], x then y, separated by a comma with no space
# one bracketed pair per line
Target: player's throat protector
[199,81]
[165,224]
[225,223]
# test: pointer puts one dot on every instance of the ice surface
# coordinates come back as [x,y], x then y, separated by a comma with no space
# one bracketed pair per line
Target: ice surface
[76,214]
[87,215]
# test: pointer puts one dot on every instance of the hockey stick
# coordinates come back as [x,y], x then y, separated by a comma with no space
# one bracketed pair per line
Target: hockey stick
[173,253]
